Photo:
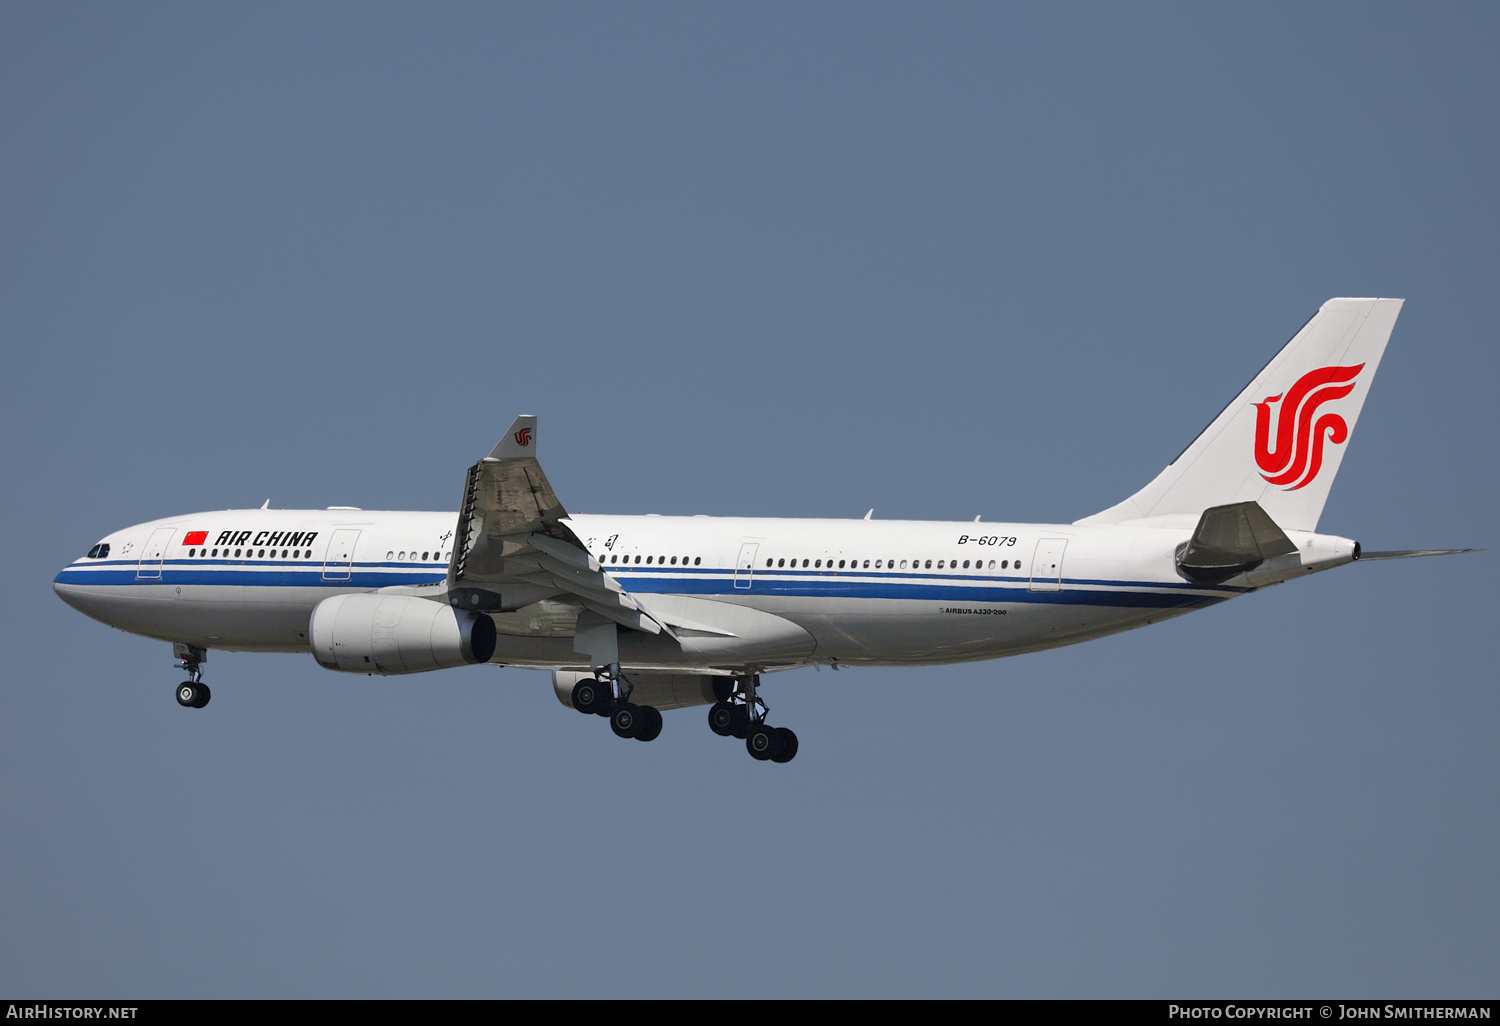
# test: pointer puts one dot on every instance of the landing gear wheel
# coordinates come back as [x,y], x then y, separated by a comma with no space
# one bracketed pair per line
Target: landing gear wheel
[192,695]
[650,723]
[721,719]
[627,719]
[742,722]
[762,742]
[589,695]
[788,746]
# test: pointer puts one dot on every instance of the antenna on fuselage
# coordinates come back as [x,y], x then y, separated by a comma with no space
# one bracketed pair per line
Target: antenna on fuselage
[266,504]
[870,514]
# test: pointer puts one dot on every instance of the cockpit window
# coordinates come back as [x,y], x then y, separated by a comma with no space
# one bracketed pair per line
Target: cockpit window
[99,551]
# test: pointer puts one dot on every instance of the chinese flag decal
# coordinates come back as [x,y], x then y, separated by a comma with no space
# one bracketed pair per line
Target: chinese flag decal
[195,538]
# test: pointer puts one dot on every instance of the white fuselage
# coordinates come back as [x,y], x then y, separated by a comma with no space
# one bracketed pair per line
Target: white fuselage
[761,594]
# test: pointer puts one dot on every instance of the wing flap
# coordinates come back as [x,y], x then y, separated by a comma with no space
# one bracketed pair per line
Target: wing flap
[513,531]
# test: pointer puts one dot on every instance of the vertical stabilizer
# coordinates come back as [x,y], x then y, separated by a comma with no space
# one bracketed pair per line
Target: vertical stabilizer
[1280,441]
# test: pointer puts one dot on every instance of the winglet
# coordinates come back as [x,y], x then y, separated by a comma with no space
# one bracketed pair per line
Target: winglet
[519,442]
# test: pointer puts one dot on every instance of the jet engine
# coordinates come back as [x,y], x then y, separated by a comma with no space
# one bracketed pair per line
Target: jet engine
[389,634]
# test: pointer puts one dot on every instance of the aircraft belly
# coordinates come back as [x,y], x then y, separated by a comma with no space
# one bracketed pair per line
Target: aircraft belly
[725,635]
[856,631]
[224,617]
[919,632]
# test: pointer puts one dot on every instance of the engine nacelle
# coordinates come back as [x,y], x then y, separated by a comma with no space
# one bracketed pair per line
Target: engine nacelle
[389,634]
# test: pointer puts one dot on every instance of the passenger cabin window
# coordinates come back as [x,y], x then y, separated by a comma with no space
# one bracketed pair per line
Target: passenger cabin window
[697,560]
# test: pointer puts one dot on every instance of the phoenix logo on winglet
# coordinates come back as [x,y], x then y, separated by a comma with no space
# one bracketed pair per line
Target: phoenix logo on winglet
[1298,455]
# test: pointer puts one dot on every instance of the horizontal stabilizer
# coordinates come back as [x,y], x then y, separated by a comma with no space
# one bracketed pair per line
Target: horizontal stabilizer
[1411,553]
[1230,540]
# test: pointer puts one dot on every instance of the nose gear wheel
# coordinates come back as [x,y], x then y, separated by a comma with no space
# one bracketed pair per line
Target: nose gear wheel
[191,693]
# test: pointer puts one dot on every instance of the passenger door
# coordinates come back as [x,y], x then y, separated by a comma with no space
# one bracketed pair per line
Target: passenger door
[744,567]
[1046,564]
[339,559]
[149,568]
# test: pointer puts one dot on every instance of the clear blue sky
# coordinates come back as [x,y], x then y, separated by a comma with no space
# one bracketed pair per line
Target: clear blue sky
[799,260]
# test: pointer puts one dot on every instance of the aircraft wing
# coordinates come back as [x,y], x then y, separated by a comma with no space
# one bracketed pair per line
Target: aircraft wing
[511,537]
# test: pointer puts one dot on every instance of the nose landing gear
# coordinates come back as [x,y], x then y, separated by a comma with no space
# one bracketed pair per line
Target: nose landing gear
[192,693]
[741,713]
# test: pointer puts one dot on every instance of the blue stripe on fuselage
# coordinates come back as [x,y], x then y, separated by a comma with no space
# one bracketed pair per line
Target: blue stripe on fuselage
[266,575]
[673,581]
[937,591]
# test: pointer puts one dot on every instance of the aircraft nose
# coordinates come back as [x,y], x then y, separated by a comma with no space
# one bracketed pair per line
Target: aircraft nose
[69,593]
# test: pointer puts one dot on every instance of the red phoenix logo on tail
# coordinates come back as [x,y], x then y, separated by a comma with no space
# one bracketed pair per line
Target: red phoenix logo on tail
[523,437]
[1298,453]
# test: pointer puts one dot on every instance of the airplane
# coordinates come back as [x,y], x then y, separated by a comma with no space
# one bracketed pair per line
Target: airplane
[636,615]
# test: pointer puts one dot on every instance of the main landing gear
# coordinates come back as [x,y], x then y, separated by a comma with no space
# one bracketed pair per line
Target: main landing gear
[741,713]
[192,693]
[610,696]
